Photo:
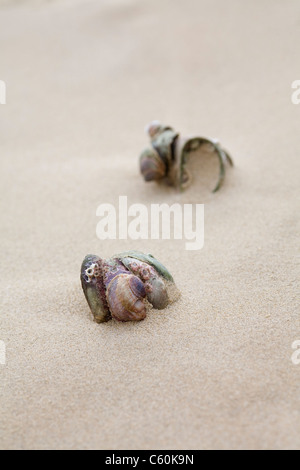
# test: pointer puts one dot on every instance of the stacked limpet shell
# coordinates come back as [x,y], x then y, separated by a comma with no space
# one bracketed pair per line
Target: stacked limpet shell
[167,158]
[124,286]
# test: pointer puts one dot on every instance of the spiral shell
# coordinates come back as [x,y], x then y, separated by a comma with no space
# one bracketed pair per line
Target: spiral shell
[125,296]
[157,293]
[152,166]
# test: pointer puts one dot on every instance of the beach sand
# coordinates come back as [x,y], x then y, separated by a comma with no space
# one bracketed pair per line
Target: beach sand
[214,370]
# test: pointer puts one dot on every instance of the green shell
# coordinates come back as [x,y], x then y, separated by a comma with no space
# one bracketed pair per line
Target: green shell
[163,144]
[174,153]
[149,259]
[193,144]
[94,291]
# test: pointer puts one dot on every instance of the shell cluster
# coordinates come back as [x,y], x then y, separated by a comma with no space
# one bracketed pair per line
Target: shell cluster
[124,286]
[167,157]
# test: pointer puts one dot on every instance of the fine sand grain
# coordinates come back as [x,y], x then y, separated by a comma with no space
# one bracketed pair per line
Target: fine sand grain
[214,370]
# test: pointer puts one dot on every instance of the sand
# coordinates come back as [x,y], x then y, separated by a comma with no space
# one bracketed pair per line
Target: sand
[214,370]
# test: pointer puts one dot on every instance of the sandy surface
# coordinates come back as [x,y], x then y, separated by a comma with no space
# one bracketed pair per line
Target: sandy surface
[214,370]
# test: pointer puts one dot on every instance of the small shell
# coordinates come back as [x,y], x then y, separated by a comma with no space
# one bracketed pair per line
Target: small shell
[125,297]
[153,273]
[130,258]
[158,296]
[94,289]
[174,151]
[119,287]
[153,128]
[152,166]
